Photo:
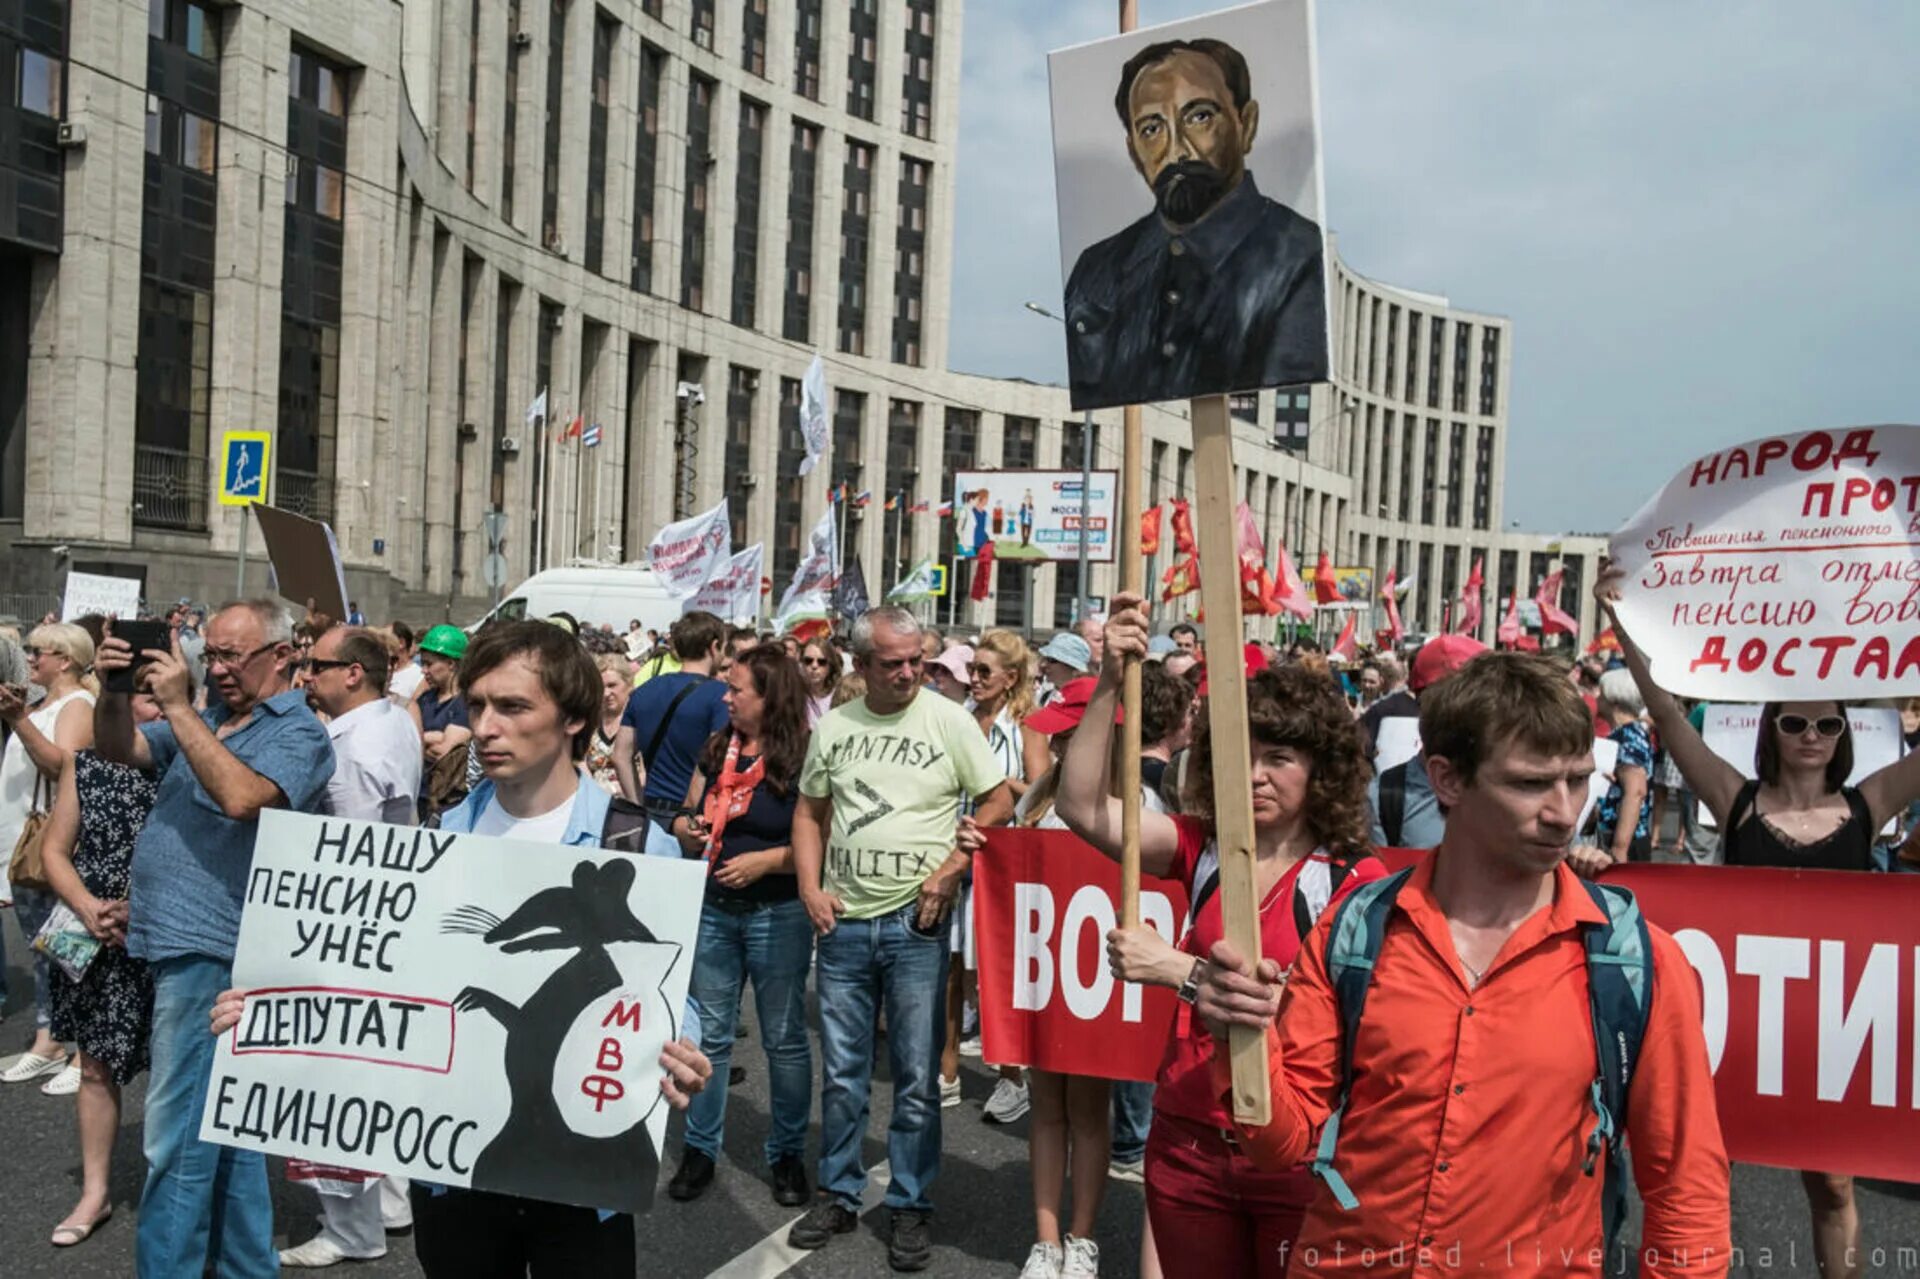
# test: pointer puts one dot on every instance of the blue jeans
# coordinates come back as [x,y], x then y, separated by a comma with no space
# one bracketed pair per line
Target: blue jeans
[772,944]
[202,1203]
[860,963]
[1132,1116]
[31,906]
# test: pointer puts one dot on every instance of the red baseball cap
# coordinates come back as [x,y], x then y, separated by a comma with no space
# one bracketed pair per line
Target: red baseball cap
[1067,708]
[1440,657]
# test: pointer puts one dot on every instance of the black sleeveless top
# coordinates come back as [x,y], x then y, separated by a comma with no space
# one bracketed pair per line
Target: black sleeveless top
[1750,841]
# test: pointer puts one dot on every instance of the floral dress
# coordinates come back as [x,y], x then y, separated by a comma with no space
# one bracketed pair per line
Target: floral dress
[109,1012]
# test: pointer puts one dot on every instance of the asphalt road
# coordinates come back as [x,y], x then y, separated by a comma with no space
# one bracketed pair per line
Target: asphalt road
[982,1227]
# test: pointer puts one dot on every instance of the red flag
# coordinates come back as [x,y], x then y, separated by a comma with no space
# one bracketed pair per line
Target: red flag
[1394,630]
[1150,531]
[1509,633]
[1605,642]
[1470,600]
[1344,648]
[1182,520]
[1256,587]
[1325,589]
[1289,592]
[982,573]
[1552,616]
[1181,578]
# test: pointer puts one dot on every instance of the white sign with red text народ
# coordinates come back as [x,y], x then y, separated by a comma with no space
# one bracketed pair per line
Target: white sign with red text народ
[1781,569]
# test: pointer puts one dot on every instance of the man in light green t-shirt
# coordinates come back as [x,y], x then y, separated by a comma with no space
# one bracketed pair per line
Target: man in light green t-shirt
[874,854]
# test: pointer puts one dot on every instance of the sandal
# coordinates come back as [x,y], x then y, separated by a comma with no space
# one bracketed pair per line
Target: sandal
[65,1236]
[32,1065]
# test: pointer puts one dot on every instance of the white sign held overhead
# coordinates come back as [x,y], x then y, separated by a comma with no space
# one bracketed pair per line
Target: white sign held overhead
[467,1010]
[1781,569]
[686,554]
[91,593]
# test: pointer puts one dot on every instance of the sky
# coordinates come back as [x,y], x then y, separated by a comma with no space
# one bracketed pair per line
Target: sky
[1703,220]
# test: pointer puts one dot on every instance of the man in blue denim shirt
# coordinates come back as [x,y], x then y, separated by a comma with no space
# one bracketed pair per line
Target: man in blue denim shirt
[257,746]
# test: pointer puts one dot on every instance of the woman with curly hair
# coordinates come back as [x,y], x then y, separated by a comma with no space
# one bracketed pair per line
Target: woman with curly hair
[1213,1213]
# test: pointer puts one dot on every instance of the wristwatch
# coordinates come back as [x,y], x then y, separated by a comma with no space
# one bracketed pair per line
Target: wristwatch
[1190,988]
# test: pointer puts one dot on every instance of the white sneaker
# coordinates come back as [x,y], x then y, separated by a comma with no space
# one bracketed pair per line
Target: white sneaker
[321,1250]
[1008,1103]
[949,1093]
[66,1083]
[1082,1260]
[31,1066]
[970,1047]
[1043,1262]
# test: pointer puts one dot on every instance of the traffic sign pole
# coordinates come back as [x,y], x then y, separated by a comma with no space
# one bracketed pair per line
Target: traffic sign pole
[240,591]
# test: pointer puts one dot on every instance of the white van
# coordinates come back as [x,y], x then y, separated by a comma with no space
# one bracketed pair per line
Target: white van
[608,594]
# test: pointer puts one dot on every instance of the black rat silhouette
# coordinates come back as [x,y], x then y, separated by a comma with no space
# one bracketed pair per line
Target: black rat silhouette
[540,1153]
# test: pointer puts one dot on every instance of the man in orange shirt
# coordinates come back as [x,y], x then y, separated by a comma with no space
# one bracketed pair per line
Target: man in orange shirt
[1465,1136]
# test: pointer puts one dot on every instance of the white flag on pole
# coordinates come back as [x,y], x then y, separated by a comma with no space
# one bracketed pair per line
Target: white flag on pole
[813,414]
[733,592]
[916,585]
[815,570]
[537,411]
[686,554]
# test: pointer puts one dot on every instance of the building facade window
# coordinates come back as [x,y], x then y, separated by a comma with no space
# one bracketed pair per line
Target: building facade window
[849,428]
[1245,406]
[703,23]
[803,163]
[179,218]
[1393,349]
[787,498]
[910,259]
[856,221]
[556,98]
[605,33]
[1404,508]
[1386,466]
[1366,464]
[1429,470]
[903,480]
[545,331]
[1291,412]
[806,49]
[305,451]
[863,30]
[753,37]
[693,228]
[646,154]
[1462,351]
[741,385]
[1436,340]
[510,121]
[916,80]
[1413,355]
[746,212]
[1456,471]
[504,309]
[1373,344]
[1489,370]
[1483,478]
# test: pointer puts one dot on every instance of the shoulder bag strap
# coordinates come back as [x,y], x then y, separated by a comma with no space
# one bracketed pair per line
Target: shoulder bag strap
[666,722]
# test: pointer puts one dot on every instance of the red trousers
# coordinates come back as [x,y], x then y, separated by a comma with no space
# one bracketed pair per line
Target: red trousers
[1215,1215]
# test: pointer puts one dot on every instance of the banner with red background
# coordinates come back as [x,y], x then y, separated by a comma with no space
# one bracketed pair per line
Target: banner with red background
[1810,990]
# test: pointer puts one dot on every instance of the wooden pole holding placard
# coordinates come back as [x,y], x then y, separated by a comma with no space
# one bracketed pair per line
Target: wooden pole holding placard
[1227,728]
[1132,580]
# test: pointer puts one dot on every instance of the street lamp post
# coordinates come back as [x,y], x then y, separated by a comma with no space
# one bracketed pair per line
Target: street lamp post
[1081,608]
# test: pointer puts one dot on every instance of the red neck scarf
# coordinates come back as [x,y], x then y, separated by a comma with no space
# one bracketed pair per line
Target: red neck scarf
[730,794]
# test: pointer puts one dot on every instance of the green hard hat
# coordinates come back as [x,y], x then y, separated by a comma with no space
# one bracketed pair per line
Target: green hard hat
[446,641]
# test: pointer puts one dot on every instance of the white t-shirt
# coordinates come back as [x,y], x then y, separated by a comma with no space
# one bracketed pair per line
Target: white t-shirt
[542,828]
[405,682]
[376,765]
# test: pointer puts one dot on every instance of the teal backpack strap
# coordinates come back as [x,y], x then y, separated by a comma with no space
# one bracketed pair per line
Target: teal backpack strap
[1620,990]
[1353,943]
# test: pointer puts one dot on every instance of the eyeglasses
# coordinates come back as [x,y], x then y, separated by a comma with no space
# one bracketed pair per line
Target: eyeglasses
[982,670]
[813,661]
[1826,725]
[316,665]
[222,657]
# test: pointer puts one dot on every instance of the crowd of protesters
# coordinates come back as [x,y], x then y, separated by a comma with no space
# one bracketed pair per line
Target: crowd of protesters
[839,791]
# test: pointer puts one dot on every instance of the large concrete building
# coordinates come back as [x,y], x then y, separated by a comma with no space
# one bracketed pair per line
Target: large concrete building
[380,229]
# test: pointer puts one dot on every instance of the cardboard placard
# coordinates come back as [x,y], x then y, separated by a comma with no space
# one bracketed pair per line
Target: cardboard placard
[306,560]
[91,593]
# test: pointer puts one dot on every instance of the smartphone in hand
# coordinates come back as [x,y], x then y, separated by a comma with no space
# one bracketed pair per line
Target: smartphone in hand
[139,636]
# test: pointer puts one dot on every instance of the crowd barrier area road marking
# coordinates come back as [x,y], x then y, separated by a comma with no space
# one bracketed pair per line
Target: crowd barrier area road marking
[773,1256]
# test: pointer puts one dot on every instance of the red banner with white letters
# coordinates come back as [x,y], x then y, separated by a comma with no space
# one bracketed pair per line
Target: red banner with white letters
[1043,903]
[1809,981]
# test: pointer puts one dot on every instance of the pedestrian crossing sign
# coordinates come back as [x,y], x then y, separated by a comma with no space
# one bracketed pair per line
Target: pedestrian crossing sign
[939,580]
[243,467]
